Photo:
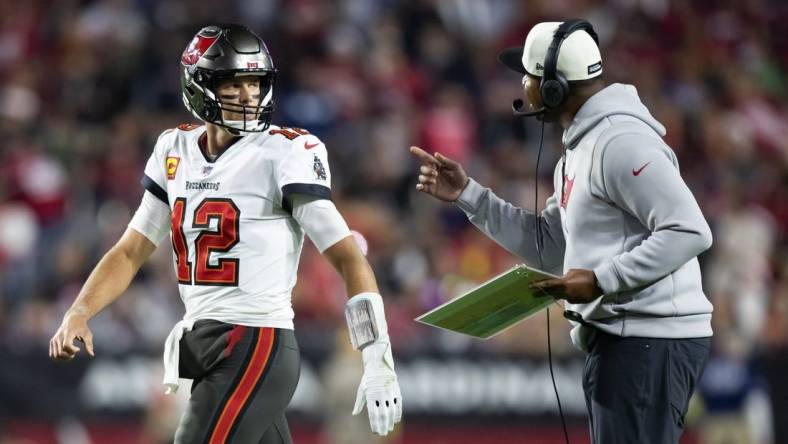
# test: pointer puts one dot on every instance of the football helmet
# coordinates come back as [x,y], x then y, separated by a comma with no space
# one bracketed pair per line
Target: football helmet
[218,52]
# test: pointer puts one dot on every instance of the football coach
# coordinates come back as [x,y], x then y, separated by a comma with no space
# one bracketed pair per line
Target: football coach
[622,229]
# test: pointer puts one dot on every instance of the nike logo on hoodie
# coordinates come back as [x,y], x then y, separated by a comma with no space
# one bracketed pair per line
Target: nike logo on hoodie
[636,172]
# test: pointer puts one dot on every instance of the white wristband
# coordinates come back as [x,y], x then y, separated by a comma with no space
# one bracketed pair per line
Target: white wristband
[366,319]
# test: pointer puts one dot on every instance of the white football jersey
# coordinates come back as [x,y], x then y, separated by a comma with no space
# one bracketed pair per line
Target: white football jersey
[236,247]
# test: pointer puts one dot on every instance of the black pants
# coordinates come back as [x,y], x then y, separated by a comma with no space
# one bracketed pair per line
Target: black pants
[244,378]
[775,363]
[638,389]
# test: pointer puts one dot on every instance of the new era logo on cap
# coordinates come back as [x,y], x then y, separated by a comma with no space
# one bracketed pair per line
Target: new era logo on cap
[539,67]
[595,67]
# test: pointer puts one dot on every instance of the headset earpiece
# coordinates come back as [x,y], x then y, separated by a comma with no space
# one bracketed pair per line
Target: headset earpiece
[555,91]
[554,88]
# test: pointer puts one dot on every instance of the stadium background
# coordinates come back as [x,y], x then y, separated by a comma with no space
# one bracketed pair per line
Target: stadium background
[87,86]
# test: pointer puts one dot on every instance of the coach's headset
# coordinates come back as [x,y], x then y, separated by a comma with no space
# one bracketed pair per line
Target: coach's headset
[554,88]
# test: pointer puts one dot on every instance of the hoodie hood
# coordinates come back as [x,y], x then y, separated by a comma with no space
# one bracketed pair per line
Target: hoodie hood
[616,99]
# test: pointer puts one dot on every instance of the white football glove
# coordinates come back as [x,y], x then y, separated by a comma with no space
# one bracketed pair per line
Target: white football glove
[379,389]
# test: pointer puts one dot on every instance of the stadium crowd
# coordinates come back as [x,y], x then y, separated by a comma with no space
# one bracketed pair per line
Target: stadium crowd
[86,86]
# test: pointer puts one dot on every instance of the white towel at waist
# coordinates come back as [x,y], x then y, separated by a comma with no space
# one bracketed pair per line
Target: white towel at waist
[172,352]
[172,344]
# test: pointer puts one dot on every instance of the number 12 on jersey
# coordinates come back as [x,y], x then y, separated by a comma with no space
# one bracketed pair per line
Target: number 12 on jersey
[220,240]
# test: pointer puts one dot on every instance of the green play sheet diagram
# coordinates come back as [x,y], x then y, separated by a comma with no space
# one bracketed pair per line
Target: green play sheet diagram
[493,306]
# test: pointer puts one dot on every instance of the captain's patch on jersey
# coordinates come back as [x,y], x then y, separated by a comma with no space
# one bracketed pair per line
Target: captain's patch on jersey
[172,166]
[320,171]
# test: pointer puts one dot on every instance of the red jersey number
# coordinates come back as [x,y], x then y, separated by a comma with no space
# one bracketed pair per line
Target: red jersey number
[183,268]
[289,132]
[221,240]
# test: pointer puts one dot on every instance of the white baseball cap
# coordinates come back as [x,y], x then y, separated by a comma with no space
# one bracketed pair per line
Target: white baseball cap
[578,58]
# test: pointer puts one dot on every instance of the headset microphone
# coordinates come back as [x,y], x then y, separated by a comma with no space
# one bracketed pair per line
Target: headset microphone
[517,109]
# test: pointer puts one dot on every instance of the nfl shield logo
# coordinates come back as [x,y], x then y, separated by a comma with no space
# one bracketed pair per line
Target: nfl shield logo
[206,170]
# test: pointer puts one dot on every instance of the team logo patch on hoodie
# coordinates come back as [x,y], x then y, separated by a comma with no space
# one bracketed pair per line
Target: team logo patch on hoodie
[568,185]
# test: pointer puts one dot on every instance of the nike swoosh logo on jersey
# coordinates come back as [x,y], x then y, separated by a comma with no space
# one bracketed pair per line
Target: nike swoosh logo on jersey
[635,172]
[309,146]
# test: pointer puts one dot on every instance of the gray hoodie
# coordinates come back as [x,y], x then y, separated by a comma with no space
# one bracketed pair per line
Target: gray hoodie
[623,211]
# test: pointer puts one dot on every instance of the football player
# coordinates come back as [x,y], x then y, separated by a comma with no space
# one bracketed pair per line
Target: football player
[237,196]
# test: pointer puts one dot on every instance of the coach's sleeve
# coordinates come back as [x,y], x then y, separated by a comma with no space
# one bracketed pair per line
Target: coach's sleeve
[515,228]
[304,170]
[642,177]
[158,167]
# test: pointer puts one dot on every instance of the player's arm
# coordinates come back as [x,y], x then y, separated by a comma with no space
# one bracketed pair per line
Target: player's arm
[379,390]
[348,260]
[111,276]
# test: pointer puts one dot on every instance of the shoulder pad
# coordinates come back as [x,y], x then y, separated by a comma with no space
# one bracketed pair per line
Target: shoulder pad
[165,133]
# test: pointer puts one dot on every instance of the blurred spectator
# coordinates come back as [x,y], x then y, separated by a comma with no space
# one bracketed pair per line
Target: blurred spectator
[87,86]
